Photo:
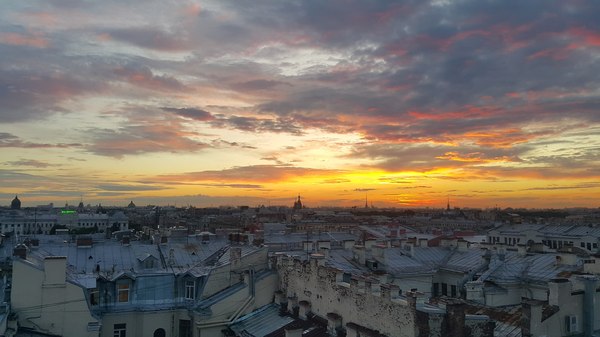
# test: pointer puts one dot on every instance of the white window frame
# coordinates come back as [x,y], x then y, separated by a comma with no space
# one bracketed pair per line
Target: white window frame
[123,288]
[120,330]
[190,289]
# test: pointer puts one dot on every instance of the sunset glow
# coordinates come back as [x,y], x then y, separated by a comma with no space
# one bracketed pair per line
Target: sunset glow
[207,103]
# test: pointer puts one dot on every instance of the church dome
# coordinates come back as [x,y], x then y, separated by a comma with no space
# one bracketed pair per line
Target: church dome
[16,203]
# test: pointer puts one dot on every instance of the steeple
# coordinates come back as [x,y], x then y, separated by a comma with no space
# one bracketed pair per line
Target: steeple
[366,201]
[448,205]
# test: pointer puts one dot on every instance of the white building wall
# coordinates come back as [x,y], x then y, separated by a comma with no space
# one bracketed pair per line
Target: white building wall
[321,287]
[49,304]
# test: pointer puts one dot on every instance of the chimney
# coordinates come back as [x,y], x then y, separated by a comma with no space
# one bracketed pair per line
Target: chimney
[386,291]
[462,245]
[293,306]
[411,300]
[324,251]
[55,270]
[84,242]
[348,244]
[589,303]
[304,309]
[323,244]
[319,259]
[521,249]
[455,318]
[293,331]
[369,243]
[20,250]
[334,322]
[560,291]
[369,285]
[307,246]
[235,256]
[359,254]
[376,251]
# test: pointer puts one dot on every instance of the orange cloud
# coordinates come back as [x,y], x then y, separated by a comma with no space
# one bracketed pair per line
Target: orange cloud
[474,157]
[256,173]
[501,138]
[467,112]
[17,39]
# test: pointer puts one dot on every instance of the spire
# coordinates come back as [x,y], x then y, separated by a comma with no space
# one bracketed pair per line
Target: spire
[366,201]
[448,205]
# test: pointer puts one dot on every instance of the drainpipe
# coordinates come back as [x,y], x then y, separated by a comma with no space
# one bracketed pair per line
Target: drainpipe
[589,303]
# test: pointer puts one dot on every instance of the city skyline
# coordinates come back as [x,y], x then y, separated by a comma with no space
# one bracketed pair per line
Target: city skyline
[490,104]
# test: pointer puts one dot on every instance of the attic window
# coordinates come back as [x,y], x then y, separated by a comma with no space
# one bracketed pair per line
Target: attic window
[149,263]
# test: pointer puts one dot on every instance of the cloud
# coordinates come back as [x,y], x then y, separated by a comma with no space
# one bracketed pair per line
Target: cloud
[191,113]
[151,38]
[142,76]
[9,140]
[129,188]
[364,189]
[254,173]
[19,39]
[30,162]
[484,89]
[147,130]
[258,85]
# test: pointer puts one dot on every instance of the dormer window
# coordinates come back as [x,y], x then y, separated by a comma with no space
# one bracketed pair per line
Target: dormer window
[190,289]
[123,291]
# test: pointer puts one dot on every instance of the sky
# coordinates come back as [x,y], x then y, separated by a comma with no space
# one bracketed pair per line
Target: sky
[394,103]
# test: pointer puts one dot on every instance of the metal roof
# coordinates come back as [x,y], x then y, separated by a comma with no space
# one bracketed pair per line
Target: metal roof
[261,322]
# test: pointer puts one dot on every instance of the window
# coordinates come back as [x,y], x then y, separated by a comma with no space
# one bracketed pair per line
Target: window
[123,292]
[190,290]
[571,323]
[444,289]
[453,290]
[120,330]
[94,296]
[185,328]
[595,245]
[436,289]
[159,333]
